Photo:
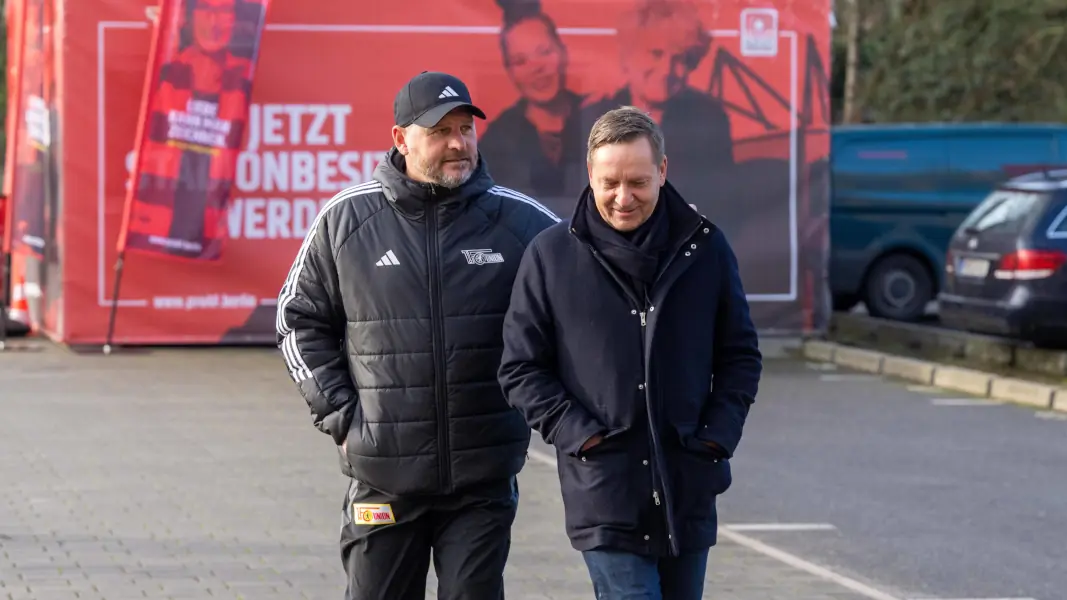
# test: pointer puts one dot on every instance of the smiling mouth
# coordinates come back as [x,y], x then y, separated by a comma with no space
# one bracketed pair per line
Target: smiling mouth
[542,82]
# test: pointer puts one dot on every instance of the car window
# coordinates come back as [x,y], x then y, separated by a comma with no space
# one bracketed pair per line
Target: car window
[1003,210]
[1058,229]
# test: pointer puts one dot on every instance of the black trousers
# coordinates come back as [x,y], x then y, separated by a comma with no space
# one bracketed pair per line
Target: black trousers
[469,533]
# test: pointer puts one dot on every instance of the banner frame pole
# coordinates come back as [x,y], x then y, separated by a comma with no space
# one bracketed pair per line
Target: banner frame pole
[162,18]
[119,264]
[11,167]
[5,274]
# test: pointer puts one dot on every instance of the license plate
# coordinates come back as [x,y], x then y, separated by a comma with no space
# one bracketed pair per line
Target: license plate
[973,267]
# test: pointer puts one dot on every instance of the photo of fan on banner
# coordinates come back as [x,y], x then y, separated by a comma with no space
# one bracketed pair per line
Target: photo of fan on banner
[193,116]
[28,161]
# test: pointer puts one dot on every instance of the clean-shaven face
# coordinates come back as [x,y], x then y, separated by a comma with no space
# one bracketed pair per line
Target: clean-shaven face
[626,179]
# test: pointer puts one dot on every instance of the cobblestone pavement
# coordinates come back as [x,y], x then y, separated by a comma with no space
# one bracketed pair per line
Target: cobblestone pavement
[180,474]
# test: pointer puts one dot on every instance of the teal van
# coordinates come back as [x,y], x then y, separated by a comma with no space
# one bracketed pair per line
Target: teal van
[898,193]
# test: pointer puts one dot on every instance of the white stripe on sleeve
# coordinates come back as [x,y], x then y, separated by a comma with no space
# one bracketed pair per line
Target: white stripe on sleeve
[288,288]
[510,193]
[298,369]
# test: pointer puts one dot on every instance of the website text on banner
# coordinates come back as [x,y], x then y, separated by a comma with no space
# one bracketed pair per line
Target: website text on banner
[193,119]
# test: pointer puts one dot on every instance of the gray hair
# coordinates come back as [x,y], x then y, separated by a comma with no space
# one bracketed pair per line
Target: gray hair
[623,125]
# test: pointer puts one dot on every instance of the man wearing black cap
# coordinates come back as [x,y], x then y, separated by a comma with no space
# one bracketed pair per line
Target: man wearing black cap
[390,322]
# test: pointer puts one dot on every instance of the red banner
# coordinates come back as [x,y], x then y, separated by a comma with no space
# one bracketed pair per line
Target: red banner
[193,118]
[13,16]
[319,121]
[30,123]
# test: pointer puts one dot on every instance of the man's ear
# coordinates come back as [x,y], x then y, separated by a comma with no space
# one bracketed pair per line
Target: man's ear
[663,171]
[400,135]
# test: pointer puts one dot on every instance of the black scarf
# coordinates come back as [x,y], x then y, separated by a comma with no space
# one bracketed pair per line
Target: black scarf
[636,254]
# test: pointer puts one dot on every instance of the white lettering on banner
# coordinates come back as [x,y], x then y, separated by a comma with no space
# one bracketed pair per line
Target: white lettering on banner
[272,218]
[255,216]
[38,123]
[309,124]
[175,244]
[205,301]
[302,171]
[294,161]
[198,124]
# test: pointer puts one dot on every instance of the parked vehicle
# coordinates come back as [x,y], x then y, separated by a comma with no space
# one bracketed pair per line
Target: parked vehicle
[1006,268]
[900,191]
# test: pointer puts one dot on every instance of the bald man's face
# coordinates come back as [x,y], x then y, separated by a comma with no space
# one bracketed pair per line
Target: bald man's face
[655,65]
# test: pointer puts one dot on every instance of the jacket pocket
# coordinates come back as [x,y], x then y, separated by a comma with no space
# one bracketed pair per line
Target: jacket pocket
[354,439]
[698,475]
[606,486]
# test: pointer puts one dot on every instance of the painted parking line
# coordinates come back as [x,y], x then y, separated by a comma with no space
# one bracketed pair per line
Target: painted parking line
[775,527]
[1026,598]
[1050,415]
[817,366]
[843,377]
[809,567]
[775,553]
[925,389]
[964,402]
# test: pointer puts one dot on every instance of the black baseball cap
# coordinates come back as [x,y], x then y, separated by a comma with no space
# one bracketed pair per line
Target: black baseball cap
[428,97]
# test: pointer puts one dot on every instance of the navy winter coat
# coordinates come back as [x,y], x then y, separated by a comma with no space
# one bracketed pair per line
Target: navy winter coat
[580,358]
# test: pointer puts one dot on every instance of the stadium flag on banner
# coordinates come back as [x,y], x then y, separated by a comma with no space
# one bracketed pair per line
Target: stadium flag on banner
[192,120]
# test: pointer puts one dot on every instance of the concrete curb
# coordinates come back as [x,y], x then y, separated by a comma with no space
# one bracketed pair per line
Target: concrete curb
[1023,392]
[971,381]
[919,371]
[963,380]
[817,350]
[860,360]
[1060,401]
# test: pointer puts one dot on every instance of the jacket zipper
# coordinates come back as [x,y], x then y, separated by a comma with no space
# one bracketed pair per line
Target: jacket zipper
[437,320]
[668,513]
[652,425]
[643,313]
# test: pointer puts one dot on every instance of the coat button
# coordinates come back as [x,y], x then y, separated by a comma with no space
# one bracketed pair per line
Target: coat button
[640,386]
[706,230]
[644,462]
[651,308]
[693,246]
[583,459]
[633,312]
[687,253]
[646,538]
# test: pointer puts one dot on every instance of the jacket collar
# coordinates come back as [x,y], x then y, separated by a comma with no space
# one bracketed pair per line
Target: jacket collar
[412,198]
[683,219]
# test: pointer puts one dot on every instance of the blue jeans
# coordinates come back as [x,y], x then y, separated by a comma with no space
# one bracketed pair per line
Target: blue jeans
[624,576]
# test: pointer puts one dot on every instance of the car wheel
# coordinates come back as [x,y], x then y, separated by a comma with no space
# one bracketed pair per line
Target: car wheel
[899,287]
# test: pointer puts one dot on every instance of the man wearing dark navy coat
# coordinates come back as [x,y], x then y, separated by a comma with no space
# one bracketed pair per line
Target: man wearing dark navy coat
[629,347]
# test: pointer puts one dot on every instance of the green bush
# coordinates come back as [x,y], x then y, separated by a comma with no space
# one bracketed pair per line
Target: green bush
[964,60]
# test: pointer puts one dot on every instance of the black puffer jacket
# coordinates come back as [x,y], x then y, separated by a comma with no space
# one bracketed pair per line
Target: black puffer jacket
[390,323]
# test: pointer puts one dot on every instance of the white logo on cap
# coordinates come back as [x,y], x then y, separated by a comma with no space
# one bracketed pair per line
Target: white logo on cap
[448,93]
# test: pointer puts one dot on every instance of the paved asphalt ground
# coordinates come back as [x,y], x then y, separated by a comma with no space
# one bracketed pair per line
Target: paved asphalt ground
[197,474]
[929,495]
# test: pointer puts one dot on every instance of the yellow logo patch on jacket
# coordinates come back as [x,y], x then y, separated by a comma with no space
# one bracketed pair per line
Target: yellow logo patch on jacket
[372,514]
